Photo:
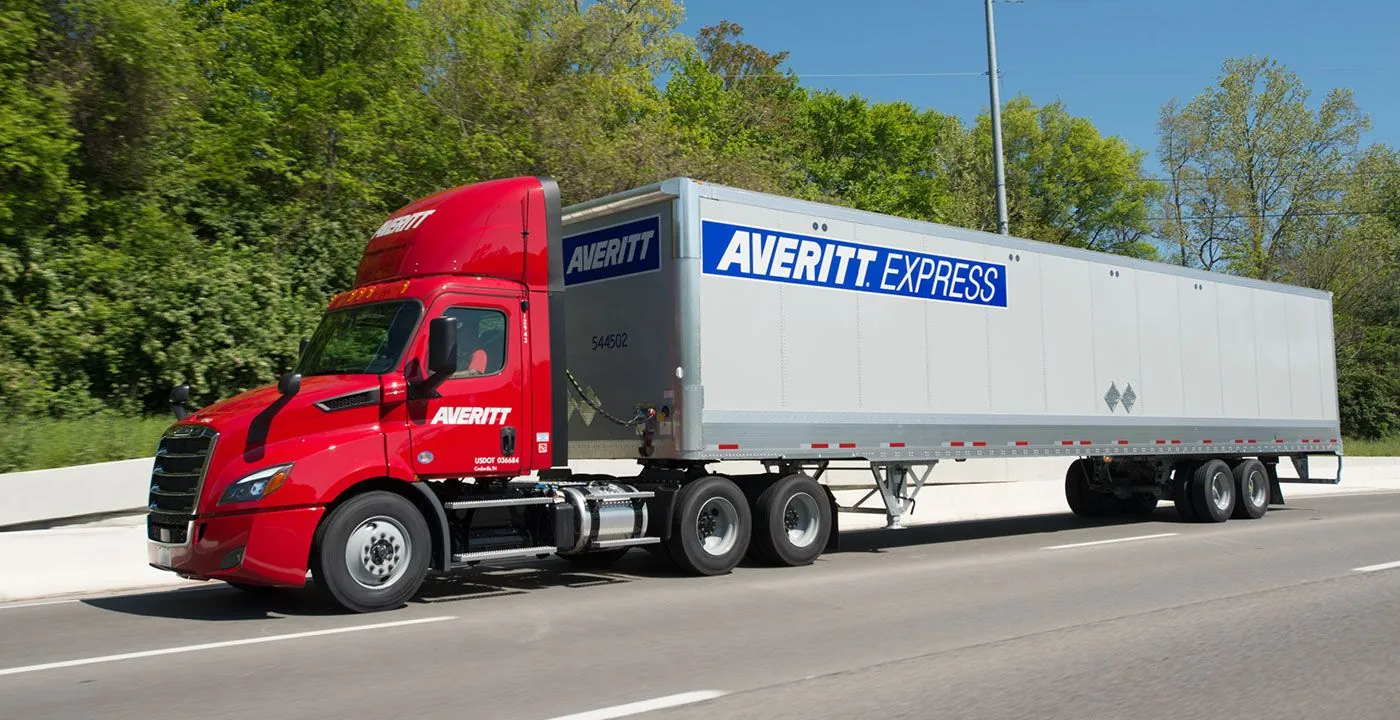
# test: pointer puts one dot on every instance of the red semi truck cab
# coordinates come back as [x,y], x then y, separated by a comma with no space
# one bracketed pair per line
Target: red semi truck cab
[438,365]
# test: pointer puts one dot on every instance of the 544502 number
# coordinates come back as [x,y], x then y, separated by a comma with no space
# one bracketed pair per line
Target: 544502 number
[613,341]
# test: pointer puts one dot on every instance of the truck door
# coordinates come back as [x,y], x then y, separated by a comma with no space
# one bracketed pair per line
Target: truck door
[476,425]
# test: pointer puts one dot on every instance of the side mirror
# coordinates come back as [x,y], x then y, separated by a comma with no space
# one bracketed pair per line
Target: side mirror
[179,396]
[442,358]
[289,384]
[442,346]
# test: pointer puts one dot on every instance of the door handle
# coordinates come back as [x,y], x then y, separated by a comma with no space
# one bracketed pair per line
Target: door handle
[508,442]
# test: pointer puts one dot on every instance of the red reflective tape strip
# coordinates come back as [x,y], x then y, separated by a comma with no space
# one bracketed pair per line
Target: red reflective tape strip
[1239,442]
[956,443]
[1161,442]
[896,444]
[820,446]
[729,446]
[1122,442]
[1176,442]
[1207,442]
[1022,443]
[847,445]
[1304,440]
[1316,440]
[1251,442]
[1066,442]
[1086,442]
[978,443]
[1334,439]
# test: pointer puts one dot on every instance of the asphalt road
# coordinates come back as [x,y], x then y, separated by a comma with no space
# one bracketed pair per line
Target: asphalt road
[998,619]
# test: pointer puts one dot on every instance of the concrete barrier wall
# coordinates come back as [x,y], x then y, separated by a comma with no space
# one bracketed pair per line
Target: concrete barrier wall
[84,490]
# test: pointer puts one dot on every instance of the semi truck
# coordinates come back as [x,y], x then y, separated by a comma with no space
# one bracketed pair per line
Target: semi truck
[439,415]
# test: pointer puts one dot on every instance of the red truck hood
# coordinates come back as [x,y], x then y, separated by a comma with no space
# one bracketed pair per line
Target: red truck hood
[242,408]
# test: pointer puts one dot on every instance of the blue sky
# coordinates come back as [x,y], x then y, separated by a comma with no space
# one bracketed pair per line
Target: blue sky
[1113,61]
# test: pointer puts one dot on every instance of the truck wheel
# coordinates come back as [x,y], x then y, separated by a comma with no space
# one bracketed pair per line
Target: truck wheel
[712,525]
[596,559]
[791,521]
[1251,490]
[372,553]
[1181,491]
[1212,492]
[1084,501]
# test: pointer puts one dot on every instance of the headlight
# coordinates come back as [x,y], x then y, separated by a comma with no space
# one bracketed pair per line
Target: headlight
[257,486]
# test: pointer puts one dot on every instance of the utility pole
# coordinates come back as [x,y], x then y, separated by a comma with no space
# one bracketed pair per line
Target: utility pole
[996,122]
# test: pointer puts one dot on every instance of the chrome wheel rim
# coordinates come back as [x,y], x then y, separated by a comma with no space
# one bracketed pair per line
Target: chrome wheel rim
[378,552]
[717,526]
[1221,488]
[801,520]
[1257,488]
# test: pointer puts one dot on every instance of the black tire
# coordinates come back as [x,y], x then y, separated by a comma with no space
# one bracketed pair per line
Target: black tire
[727,519]
[597,559]
[375,519]
[1251,490]
[1212,491]
[784,507]
[1138,504]
[1181,491]
[1083,501]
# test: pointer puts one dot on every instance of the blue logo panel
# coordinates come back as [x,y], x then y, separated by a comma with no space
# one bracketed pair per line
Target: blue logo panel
[613,252]
[748,252]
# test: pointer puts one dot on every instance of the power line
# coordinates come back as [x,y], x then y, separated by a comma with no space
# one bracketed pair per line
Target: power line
[1305,213]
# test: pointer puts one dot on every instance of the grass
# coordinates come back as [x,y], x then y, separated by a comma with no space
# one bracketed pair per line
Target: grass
[1389,447]
[39,444]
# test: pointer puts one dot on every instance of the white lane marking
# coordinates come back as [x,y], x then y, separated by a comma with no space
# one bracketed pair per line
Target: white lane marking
[1106,542]
[642,706]
[216,645]
[1376,568]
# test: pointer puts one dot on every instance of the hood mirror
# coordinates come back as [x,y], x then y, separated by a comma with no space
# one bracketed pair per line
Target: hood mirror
[289,384]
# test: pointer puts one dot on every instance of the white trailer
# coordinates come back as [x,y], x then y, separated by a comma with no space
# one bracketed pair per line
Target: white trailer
[794,333]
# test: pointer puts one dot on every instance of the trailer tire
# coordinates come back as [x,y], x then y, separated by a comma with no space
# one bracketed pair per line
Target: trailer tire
[1212,492]
[711,528]
[1083,500]
[387,537]
[1181,491]
[1251,490]
[791,521]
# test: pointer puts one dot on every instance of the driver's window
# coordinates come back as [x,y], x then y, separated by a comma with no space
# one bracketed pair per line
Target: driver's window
[481,340]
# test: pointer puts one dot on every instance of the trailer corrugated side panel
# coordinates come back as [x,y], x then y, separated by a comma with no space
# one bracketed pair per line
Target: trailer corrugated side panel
[827,332]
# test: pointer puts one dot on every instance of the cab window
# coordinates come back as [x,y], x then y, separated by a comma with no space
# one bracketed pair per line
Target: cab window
[481,340]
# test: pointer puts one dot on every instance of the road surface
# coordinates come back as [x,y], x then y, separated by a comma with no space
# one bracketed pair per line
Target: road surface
[1291,616]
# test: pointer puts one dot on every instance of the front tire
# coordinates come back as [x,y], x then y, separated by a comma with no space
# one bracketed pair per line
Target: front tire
[792,521]
[1251,490]
[712,527]
[372,552]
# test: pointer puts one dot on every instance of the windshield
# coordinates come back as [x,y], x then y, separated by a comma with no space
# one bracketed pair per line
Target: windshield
[368,339]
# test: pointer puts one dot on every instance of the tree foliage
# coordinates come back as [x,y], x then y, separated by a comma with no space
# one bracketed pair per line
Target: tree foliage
[187,181]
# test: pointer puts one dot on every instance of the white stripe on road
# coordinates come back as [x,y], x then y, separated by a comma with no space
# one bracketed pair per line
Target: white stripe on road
[1376,568]
[216,645]
[642,706]
[1106,542]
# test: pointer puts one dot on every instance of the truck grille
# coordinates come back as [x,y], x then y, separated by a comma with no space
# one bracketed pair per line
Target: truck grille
[176,479]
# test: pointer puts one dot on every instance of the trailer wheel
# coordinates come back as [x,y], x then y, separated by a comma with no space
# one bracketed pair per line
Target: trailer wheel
[711,528]
[1251,490]
[1083,500]
[372,552]
[1181,491]
[791,521]
[1212,492]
